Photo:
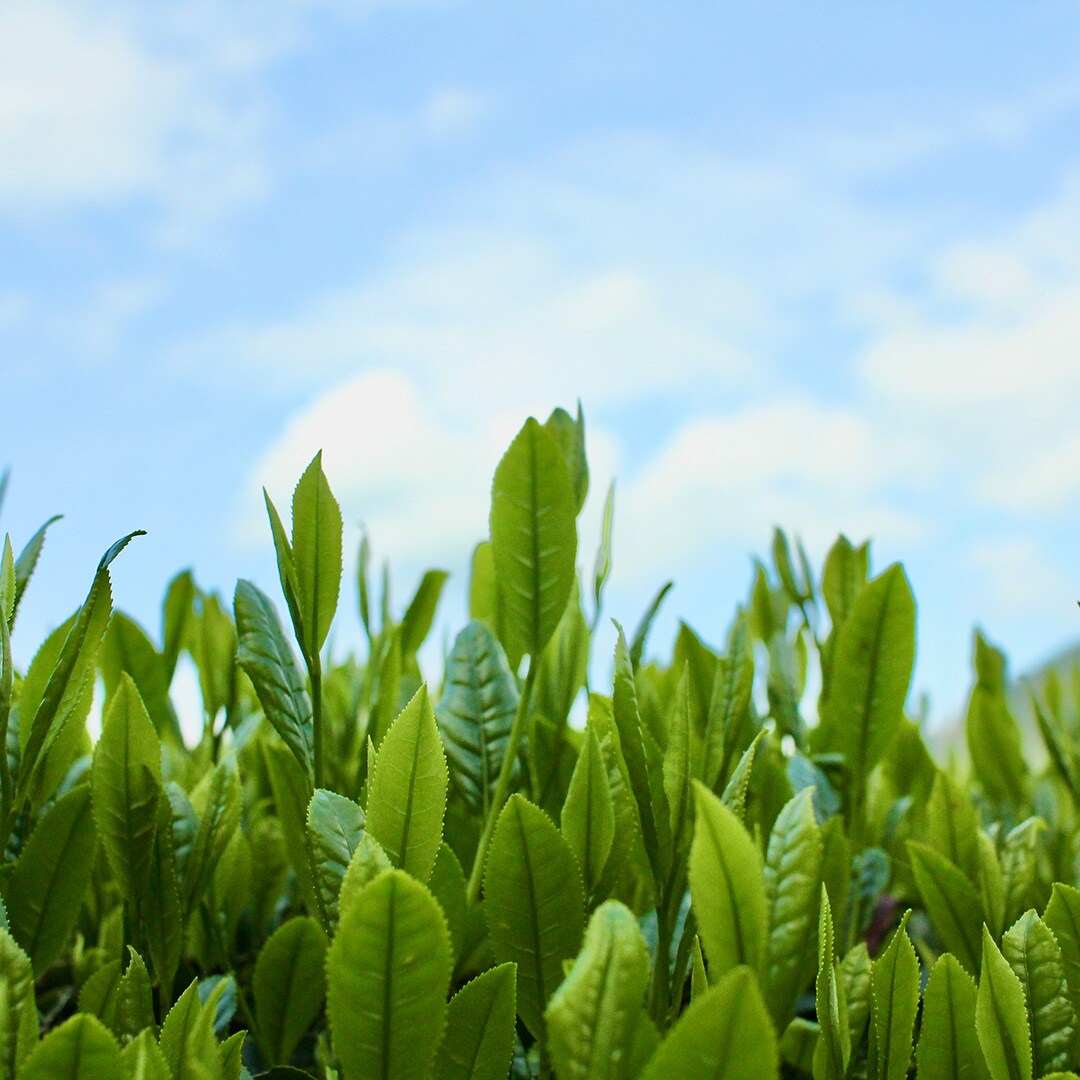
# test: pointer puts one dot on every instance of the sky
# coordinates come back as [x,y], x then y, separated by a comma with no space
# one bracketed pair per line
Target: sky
[808,265]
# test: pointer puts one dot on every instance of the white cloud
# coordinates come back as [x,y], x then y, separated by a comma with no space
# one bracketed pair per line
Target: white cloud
[986,363]
[494,320]
[729,478]
[93,113]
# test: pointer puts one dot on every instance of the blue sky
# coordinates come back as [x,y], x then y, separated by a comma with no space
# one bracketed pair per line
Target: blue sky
[808,264]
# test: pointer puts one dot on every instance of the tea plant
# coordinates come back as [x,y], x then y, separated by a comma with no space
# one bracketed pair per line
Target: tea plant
[360,873]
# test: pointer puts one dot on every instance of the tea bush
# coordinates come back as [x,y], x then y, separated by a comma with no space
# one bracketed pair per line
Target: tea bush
[359,874]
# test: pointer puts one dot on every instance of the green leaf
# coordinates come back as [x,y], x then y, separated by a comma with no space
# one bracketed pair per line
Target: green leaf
[724,1035]
[74,669]
[729,705]
[792,889]
[487,603]
[316,552]
[418,617]
[480,1020]
[1062,915]
[856,975]
[726,883]
[534,904]
[367,863]
[872,663]
[334,828]
[570,435]
[289,986]
[833,1047]
[641,634]
[188,1041]
[894,980]
[388,972]
[134,999]
[219,801]
[533,537]
[16,998]
[127,648]
[125,781]
[949,898]
[602,566]
[407,792]
[26,563]
[162,917]
[952,825]
[1020,866]
[265,656]
[948,1046]
[591,1018]
[993,737]
[44,891]
[564,664]
[682,764]
[212,643]
[654,830]
[1001,1017]
[79,1049]
[475,714]
[1036,958]
[287,575]
[177,613]
[448,885]
[143,1060]
[588,815]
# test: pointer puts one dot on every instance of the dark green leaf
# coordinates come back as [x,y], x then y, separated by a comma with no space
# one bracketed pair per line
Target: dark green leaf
[335,826]
[265,656]
[289,986]
[45,889]
[475,714]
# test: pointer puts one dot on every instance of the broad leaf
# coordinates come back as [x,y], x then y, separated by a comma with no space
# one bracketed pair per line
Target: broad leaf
[289,986]
[334,828]
[792,889]
[265,656]
[407,792]
[1001,1017]
[533,537]
[588,815]
[894,981]
[948,1046]
[480,1028]
[475,714]
[723,1035]
[388,971]
[872,663]
[316,553]
[1035,956]
[125,782]
[592,1016]
[79,1049]
[950,899]
[44,891]
[726,883]
[534,904]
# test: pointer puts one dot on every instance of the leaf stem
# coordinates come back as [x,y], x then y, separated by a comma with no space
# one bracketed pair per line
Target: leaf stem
[502,788]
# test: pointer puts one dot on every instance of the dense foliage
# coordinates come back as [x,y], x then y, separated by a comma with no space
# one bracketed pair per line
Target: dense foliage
[360,874]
